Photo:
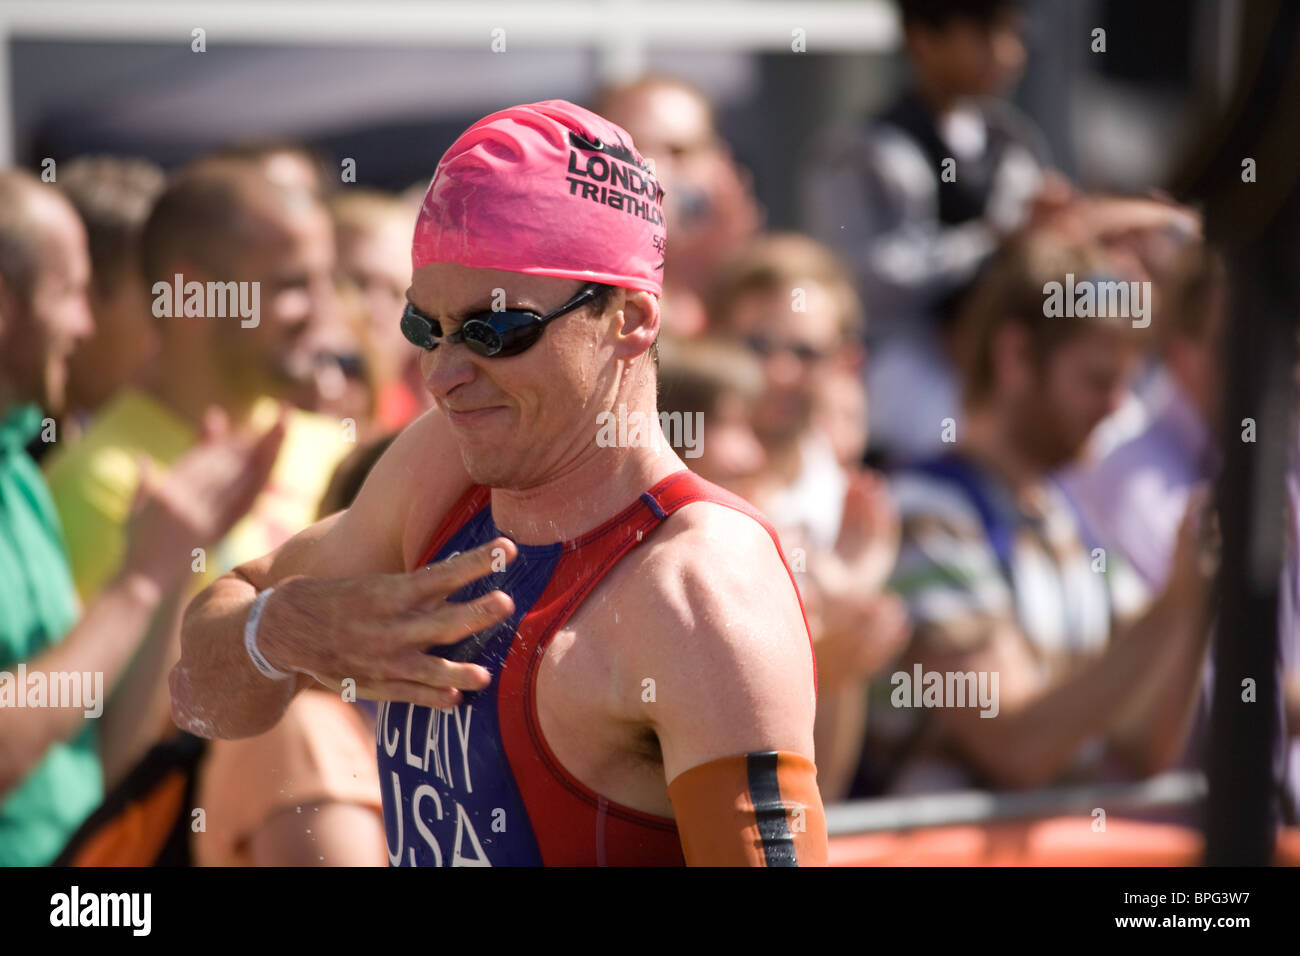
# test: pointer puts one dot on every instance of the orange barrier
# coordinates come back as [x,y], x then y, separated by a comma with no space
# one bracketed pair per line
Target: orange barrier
[1060,841]
[133,836]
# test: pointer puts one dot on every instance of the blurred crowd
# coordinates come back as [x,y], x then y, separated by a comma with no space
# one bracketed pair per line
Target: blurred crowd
[965,481]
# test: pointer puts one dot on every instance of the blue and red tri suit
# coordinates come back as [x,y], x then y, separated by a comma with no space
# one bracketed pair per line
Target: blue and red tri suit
[476,784]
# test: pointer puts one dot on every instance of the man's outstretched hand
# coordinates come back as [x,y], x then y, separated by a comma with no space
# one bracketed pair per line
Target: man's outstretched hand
[376,629]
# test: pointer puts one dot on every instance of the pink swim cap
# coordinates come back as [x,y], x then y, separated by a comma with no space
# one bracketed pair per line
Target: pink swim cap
[548,189]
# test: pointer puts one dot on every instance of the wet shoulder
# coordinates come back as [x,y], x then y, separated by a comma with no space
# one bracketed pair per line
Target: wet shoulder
[706,571]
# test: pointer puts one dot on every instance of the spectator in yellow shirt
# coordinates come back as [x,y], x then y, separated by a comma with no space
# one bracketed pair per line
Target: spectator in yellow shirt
[217,223]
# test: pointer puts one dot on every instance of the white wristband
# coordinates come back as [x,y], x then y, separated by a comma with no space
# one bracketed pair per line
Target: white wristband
[250,639]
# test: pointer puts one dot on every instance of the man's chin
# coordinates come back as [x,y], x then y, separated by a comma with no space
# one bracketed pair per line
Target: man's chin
[485,467]
[492,477]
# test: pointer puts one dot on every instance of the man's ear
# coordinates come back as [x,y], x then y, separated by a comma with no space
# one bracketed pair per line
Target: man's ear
[639,325]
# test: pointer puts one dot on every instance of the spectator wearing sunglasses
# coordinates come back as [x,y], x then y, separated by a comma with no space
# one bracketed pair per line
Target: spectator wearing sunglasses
[336,365]
[789,301]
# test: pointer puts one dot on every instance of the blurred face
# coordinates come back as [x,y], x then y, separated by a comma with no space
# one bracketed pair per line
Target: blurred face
[38,335]
[730,452]
[841,414]
[969,58]
[123,342]
[1083,381]
[706,198]
[796,349]
[292,171]
[334,381]
[526,418]
[378,262]
[668,125]
[291,254]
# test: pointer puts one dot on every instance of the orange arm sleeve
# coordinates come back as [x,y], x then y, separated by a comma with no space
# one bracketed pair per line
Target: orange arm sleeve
[755,809]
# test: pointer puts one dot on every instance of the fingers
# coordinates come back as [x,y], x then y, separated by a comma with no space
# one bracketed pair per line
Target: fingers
[438,673]
[855,495]
[455,621]
[412,692]
[446,577]
[224,475]
[268,444]
[855,519]
[260,460]
[1195,557]
[426,670]
[428,680]
[215,423]
[867,497]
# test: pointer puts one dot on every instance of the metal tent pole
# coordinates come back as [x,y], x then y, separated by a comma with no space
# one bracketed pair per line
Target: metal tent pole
[1257,225]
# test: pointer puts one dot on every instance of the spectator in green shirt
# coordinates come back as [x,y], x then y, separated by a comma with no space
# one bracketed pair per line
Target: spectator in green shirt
[58,756]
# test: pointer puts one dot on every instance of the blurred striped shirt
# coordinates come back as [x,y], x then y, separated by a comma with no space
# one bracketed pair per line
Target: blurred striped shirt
[1061,591]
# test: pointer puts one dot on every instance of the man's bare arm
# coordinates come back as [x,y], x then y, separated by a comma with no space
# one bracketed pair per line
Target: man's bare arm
[840,732]
[216,691]
[343,606]
[1151,731]
[341,834]
[732,662]
[102,643]
[138,713]
[202,496]
[734,703]
[1040,726]
[1152,728]
[1139,693]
